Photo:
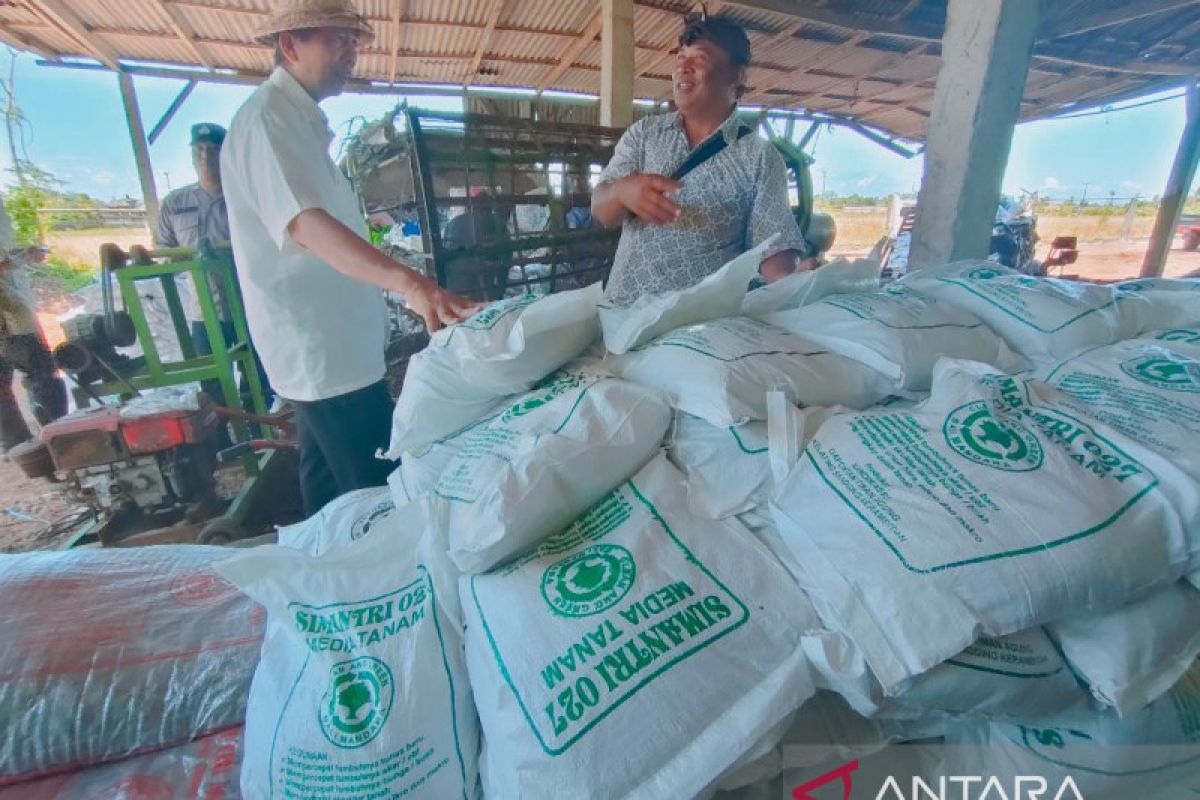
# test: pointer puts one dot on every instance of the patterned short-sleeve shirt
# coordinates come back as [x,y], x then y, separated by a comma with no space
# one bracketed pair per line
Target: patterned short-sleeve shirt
[728,204]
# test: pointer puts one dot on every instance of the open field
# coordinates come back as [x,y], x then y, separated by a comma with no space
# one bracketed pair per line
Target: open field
[83,247]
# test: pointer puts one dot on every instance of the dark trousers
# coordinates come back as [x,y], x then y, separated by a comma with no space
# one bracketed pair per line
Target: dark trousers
[213,388]
[338,439]
[47,392]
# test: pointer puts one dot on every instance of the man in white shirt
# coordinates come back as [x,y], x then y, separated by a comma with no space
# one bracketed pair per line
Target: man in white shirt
[309,276]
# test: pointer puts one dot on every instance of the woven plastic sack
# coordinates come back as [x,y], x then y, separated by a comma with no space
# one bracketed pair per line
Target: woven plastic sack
[899,333]
[986,510]
[205,769]
[504,349]
[345,519]
[651,315]
[728,471]
[111,652]
[721,371]
[638,653]
[362,690]
[1154,753]
[1172,302]
[540,462]
[1040,318]
[1149,389]
[802,288]
[1132,656]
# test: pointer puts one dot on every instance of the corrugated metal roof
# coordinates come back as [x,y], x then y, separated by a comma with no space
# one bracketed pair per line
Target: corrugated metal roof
[841,56]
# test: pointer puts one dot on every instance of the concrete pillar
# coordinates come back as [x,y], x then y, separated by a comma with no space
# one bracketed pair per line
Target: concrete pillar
[616,63]
[986,50]
[1183,172]
[141,150]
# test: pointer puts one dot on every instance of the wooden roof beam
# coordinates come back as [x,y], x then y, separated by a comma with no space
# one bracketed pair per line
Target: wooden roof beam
[834,53]
[398,8]
[1093,60]
[60,15]
[20,40]
[485,38]
[183,32]
[590,31]
[1118,15]
[669,54]
[900,29]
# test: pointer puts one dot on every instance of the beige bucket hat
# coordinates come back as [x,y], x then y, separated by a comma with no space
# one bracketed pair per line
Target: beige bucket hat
[292,15]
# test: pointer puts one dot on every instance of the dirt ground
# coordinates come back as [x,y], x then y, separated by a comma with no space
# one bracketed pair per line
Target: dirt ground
[1105,256]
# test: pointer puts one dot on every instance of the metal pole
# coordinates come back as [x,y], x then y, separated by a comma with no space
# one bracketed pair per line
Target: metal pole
[1178,183]
[141,150]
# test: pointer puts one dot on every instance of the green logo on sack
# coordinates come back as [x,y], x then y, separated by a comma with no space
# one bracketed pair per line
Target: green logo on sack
[590,581]
[977,435]
[1161,372]
[357,702]
[985,273]
[1180,335]
[362,526]
[551,388]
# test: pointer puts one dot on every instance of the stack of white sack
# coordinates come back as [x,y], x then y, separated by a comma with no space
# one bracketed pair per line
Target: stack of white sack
[1040,318]
[504,349]
[989,509]
[108,653]
[362,690]
[640,652]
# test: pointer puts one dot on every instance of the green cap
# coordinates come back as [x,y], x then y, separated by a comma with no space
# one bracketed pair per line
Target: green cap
[209,132]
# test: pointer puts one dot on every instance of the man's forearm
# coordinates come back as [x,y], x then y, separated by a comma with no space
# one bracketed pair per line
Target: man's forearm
[330,240]
[607,209]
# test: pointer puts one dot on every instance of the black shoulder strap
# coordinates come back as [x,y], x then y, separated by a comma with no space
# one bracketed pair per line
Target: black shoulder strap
[710,148]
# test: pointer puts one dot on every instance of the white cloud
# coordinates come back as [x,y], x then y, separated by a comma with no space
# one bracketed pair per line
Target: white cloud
[1052,182]
[863,183]
[1131,185]
[104,177]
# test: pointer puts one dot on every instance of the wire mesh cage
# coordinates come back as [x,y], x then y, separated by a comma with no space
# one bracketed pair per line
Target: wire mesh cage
[488,205]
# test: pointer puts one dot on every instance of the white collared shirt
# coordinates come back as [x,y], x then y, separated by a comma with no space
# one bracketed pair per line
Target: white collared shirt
[319,333]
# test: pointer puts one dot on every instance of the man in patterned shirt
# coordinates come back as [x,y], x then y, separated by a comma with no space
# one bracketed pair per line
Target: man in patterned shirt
[676,232]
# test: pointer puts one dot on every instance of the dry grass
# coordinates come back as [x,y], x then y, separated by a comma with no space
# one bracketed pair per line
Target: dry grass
[83,247]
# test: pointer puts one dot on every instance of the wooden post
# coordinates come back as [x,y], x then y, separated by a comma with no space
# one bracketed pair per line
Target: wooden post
[1183,172]
[616,63]
[986,51]
[141,150]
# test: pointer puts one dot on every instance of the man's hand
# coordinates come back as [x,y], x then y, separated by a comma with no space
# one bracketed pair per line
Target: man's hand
[644,195]
[435,305]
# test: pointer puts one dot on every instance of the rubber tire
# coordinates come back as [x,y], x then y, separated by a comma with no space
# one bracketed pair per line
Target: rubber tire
[1191,240]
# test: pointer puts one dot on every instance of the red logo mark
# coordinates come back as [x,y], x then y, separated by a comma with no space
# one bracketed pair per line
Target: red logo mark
[842,772]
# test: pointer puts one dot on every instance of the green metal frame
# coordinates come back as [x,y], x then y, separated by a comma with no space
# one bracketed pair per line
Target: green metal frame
[153,371]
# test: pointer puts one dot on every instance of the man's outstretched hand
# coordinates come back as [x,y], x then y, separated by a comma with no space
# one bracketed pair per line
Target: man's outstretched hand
[436,306]
[645,196]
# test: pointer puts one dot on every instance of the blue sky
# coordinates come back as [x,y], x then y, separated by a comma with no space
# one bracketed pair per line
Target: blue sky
[76,130]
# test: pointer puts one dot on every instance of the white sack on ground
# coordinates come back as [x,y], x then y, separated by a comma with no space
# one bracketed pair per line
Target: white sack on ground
[641,636]
[801,288]
[345,519]
[1154,753]
[728,470]
[1172,302]
[109,652]
[540,462]
[1149,389]
[652,315]
[721,371]
[504,349]
[1040,318]
[898,332]
[362,690]
[1133,655]
[986,510]
[206,769]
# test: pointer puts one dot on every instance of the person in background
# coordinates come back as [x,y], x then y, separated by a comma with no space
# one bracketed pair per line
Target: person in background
[22,346]
[675,232]
[194,212]
[310,278]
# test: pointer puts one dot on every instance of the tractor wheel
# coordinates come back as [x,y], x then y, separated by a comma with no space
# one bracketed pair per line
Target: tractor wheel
[220,531]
